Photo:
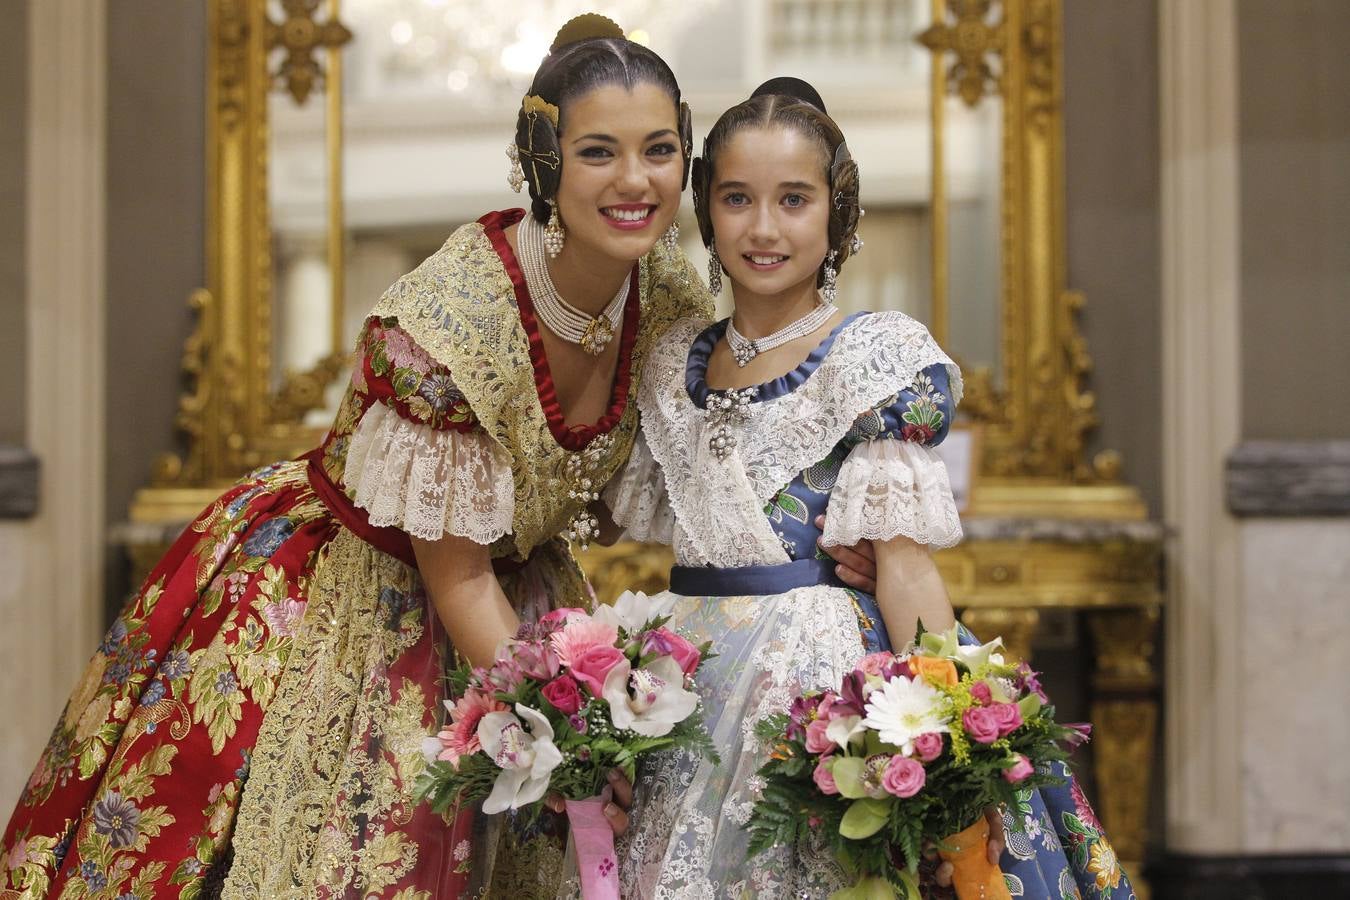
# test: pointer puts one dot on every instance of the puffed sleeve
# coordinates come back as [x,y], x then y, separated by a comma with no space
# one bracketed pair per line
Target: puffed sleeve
[637,498]
[418,459]
[892,482]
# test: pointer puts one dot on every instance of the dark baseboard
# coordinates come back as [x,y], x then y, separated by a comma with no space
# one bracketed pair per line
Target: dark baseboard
[18,483]
[1184,877]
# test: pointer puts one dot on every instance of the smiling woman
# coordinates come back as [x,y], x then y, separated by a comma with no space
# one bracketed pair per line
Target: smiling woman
[252,723]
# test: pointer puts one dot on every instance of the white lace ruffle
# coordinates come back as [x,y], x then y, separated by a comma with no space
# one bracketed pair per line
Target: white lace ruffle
[719,502]
[429,483]
[637,499]
[892,488]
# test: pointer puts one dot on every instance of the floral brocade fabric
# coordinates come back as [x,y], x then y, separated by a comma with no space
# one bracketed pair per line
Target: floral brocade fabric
[251,724]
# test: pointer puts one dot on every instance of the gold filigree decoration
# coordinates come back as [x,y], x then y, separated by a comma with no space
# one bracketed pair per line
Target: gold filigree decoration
[301,35]
[536,104]
[975,42]
[302,392]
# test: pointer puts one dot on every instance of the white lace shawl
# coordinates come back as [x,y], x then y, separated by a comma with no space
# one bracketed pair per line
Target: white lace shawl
[429,483]
[637,497]
[890,488]
[719,504]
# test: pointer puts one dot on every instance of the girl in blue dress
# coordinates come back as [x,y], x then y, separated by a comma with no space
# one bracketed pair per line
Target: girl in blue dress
[751,426]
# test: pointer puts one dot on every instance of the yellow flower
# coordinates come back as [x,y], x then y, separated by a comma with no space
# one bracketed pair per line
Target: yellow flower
[95,714]
[1104,865]
[89,685]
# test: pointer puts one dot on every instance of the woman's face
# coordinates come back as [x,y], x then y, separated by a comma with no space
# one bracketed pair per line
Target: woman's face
[770,207]
[622,169]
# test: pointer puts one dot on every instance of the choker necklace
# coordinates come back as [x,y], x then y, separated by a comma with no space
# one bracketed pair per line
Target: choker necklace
[745,349]
[592,333]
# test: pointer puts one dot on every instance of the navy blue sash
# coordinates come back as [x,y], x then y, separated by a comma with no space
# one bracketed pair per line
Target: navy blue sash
[752,581]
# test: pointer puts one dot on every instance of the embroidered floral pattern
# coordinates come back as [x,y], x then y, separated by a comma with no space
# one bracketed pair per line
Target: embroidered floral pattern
[923,414]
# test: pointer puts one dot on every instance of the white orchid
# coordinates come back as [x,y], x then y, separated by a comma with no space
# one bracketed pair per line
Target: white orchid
[631,611]
[843,729]
[650,701]
[901,710]
[527,759]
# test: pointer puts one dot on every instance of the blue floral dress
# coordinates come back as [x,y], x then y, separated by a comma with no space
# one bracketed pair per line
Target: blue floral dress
[853,429]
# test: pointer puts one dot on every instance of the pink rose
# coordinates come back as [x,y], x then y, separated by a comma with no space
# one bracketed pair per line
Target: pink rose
[816,740]
[904,777]
[564,694]
[664,642]
[823,778]
[875,663]
[555,619]
[1019,770]
[981,724]
[928,746]
[980,691]
[1009,717]
[592,665]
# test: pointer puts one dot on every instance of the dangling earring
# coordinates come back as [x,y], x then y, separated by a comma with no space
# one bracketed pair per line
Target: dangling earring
[714,273]
[855,245]
[516,177]
[829,284]
[671,239]
[553,232]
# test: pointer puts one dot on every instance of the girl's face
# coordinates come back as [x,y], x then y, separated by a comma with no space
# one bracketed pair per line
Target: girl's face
[621,170]
[770,207]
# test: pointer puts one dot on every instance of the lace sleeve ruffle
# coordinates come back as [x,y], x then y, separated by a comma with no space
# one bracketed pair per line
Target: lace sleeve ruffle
[637,497]
[891,488]
[429,482]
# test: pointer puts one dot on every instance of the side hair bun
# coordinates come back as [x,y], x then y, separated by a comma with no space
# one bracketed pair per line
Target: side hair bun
[584,28]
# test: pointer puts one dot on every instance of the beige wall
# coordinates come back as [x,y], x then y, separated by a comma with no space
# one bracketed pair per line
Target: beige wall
[1294,121]
[13,169]
[155,210]
[1112,181]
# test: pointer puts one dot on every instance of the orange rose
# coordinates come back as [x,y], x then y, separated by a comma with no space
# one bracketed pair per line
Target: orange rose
[935,671]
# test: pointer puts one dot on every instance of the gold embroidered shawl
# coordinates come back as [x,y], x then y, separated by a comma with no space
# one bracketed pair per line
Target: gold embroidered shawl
[460,306]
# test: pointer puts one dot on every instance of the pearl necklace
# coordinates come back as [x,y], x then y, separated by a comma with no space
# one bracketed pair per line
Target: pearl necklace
[745,349]
[592,333]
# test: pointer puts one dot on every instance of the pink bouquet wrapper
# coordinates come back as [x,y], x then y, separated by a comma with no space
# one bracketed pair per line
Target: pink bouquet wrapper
[594,842]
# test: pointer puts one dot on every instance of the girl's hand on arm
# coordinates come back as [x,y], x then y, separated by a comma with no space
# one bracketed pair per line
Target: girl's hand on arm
[467,596]
[857,564]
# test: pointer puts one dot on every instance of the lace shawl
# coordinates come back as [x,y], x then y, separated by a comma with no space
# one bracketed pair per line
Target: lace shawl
[637,497]
[459,305]
[719,504]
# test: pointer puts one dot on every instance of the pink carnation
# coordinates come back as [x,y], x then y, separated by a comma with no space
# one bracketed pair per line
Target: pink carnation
[981,724]
[580,635]
[904,777]
[928,746]
[557,618]
[876,663]
[824,778]
[461,738]
[1019,770]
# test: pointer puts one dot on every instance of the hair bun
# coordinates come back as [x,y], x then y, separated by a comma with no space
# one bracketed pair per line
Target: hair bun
[788,86]
[583,28]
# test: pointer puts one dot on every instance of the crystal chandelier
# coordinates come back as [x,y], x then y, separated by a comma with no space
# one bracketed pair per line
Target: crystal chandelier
[481,50]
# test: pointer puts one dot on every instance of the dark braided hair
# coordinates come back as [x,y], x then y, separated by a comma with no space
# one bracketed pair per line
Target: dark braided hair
[589,52]
[788,103]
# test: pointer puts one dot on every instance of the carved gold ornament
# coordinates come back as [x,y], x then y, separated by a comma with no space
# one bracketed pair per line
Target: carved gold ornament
[301,35]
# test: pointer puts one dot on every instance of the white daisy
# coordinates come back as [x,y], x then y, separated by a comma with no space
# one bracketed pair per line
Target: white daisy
[901,710]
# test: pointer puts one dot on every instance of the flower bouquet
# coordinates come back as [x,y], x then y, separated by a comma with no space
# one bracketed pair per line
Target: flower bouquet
[569,699]
[910,748]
